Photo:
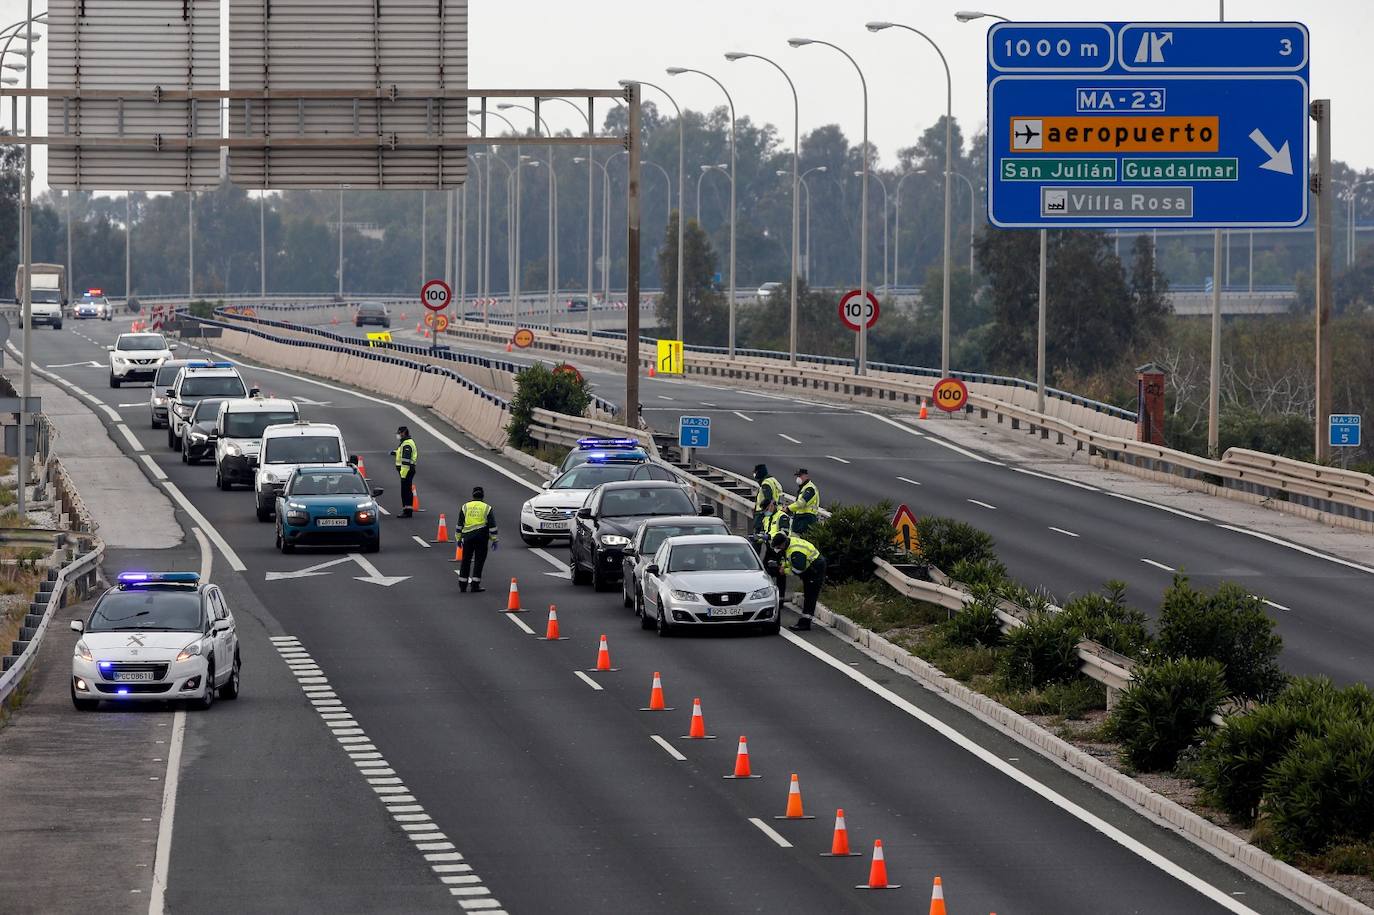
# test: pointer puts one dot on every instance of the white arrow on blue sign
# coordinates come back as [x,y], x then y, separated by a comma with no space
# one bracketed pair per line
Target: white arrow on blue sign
[694,432]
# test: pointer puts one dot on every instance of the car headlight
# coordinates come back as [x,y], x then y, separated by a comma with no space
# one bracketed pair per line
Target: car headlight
[269,477]
[689,597]
[232,448]
[192,650]
[198,437]
[527,508]
[366,516]
[297,517]
[299,506]
[118,360]
[763,593]
[183,409]
[614,540]
[159,401]
[83,651]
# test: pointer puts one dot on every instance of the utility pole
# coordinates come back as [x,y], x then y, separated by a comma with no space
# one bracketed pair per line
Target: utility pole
[632,265]
[1326,204]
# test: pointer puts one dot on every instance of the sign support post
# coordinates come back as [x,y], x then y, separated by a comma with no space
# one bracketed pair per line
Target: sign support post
[1040,334]
[1321,187]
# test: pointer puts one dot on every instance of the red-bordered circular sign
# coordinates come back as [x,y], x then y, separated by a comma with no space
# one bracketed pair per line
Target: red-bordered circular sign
[950,394]
[440,323]
[852,309]
[570,369]
[435,295]
[524,337]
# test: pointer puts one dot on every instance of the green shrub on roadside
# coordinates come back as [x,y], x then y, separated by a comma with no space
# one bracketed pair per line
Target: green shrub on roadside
[979,573]
[1106,619]
[539,387]
[1041,652]
[852,537]
[1228,625]
[975,624]
[944,542]
[1165,709]
[1322,792]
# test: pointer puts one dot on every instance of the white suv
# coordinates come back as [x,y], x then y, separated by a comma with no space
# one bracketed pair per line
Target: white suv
[284,448]
[136,357]
[196,381]
[240,426]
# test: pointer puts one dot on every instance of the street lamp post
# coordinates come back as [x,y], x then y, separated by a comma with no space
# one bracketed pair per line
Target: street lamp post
[807,188]
[510,181]
[681,201]
[512,230]
[861,342]
[128,248]
[674,71]
[262,243]
[972,202]
[591,205]
[897,218]
[22,478]
[551,258]
[723,169]
[190,245]
[796,202]
[882,184]
[949,152]
[341,283]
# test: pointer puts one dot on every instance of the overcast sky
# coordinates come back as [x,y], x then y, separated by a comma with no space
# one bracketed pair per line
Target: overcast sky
[592,43]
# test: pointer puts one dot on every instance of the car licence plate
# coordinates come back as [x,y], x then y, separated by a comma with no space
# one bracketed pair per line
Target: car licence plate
[553,525]
[133,676]
[332,522]
[725,611]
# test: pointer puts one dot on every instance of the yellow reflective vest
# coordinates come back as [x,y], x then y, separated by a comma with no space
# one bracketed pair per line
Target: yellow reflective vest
[476,516]
[796,546]
[808,500]
[407,455]
[769,490]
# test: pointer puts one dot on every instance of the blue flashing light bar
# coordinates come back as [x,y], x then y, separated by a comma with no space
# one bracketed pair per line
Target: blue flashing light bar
[202,364]
[587,444]
[618,457]
[170,578]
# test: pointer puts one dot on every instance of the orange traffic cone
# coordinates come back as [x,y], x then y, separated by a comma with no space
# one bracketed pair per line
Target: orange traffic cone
[742,769]
[656,697]
[925,413]
[877,871]
[442,535]
[794,802]
[698,729]
[653,371]
[937,898]
[509,348]
[458,552]
[419,328]
[513,598]
[414,498]
[839,844]
[362,467]
[603,657]
[551,632]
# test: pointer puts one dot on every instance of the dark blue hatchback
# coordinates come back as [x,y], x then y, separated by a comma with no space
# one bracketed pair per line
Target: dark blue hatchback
[328,506]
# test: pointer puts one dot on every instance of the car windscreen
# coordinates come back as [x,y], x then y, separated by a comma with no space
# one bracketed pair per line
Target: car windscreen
[166,375]
[140,341]
[151,608]
[302,449]
[589,476]
[250,423]
[371,308]
[327,484]
[661,500]
[213,386]
[47,296]
[206,410]
[713,557]
[654,536]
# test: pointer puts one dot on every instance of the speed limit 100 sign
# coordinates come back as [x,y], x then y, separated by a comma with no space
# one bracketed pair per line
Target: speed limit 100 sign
[435,295]
[853,309]
[951,394]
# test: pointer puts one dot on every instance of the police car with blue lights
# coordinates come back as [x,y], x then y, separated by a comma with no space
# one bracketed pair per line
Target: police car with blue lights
[625,449]
[156,636]
[325,506]
[549,515]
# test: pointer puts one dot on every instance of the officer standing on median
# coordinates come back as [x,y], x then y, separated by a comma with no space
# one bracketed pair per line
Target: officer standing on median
[407,458]
[478,531]
[801,558]
[770,490]
[806,508]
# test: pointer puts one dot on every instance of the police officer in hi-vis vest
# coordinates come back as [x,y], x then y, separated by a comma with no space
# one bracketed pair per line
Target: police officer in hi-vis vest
[477,526]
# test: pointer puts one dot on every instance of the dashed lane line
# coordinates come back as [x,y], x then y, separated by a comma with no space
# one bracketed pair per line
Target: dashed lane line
[448,865]
[789,438]
[968,744]
[1270,603]
[551,559]
[668,748]
[129,437]
[519,623]
[909,480]
[664,397]
[747,419]
[158,473]
[586,679]
[983,504]
[838,459]
[770,832]
[1060,530]
[422,541]
[1159,565]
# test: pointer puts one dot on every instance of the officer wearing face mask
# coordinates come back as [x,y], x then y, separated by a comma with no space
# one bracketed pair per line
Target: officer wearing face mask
[805,510]
[407,458]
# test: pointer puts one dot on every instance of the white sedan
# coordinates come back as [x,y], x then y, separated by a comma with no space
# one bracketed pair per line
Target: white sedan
[708,581]
[549,514]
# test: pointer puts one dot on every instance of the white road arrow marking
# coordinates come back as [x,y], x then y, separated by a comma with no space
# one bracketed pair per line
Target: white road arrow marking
[69,365]
[1280,160]
[373,576]
[306,401]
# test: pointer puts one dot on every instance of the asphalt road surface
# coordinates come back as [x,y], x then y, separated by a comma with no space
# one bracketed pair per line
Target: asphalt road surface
[403,747]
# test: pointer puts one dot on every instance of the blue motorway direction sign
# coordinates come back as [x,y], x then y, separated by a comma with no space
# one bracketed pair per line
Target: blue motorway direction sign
[694,432]
[1343,430]
[1141,125]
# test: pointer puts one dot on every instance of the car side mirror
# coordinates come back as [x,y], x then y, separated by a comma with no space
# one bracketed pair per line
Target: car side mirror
[651,569]
[78,626]
[707,510]
[353,460]
[546,484]
[584,513]
[630,551]
[220,626]
[377,492]
[110,349]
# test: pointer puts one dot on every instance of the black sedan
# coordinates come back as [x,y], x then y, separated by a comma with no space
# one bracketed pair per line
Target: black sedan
[373,313]
[608,520]
[199,434]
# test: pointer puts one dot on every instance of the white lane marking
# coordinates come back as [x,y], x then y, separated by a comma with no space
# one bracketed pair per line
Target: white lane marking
[1163,508]
[1060,530]
[110,411]
[234,561]
[420,540]
[141,403]
[129,437]
[909,480]
[789,438]
[664,397]
[892,422]
[760,394]
[984,504]
[839,459]
[207,555]
[1277,541]
[519,622]
[156,471]
[588,680]
[935,439]
[1270,603]
[707,403]
[1025,780]
[400,408]
[770,832]
[668,748]
[1159,565]
[747,419]
[1054,479]
[163,857]
[551,559]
